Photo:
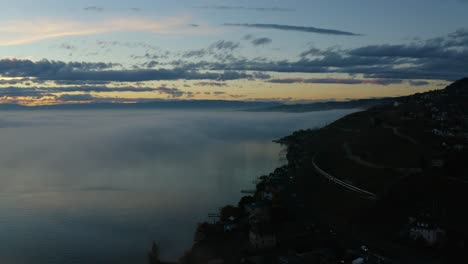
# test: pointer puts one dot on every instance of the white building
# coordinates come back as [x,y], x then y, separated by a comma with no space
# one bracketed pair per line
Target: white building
[427,232]
[267,196]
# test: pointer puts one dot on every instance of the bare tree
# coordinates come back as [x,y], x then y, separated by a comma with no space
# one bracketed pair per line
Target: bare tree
[153,255]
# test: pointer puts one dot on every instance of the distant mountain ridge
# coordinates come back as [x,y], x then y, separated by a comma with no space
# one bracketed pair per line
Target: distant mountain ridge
[331,105]
[256,106]
[161,104]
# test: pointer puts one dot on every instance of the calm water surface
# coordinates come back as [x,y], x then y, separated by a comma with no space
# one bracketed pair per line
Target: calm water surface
[99,186]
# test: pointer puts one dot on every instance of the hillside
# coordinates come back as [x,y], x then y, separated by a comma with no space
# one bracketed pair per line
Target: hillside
[368,178]
[410,154]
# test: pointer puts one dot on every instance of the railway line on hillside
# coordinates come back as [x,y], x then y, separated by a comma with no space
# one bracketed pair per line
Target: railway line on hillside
[342,183]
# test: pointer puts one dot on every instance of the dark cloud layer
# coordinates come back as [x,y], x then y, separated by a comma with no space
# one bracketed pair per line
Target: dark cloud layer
[83,93]
[102,72]
[295,28]
[42,91]
[442,58]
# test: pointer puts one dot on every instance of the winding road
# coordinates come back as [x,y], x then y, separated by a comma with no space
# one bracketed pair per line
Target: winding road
[397,133]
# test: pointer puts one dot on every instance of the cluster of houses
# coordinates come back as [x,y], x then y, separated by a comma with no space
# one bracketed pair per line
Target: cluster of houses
[271,234]
[424,229]
[448,119]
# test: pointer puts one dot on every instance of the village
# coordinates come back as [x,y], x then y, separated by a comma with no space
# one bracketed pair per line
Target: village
[279,222]
[270,231]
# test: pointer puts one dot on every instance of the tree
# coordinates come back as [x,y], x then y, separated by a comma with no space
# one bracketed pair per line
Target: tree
[153,255]
[228,211]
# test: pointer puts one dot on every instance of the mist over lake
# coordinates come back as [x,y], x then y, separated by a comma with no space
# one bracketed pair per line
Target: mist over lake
[99,186]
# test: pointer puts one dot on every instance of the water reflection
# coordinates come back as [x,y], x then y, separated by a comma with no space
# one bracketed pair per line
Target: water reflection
[99,186]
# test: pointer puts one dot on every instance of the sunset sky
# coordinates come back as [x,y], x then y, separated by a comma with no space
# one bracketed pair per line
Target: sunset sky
[294,51]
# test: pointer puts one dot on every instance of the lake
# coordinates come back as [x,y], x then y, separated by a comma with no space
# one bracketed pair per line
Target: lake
[99,186]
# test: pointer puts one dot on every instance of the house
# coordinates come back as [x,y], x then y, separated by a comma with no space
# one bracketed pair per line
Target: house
[425,229]
[267,196]
[261,235]
[437,163]
[437,132]
[458,147]
[262,240]
[358,261]
[230,225]
[259,213]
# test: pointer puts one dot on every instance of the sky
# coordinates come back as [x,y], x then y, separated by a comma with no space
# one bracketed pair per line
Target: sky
[83,51]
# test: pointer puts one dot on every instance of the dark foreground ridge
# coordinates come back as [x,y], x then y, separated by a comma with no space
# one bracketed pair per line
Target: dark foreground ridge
[385,185]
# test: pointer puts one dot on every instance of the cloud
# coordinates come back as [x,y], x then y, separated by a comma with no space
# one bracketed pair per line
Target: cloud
[28,68]
[15,81]
[15,91]
[26,31]
[126,44]
[42,91]
[29,95]
[418,83]
[67,46]
[94,8]
[261,41]
[221,49]
[79,71]
[171,92]
[151,64]
[195,53]
[442,58]
[77,82]
[76,97]
[245,8]
[260,75]
[295,28]
[247,37]
[225,45]
[217,84]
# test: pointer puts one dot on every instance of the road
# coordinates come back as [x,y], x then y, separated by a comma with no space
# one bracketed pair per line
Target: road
[360,161]
[397,133]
